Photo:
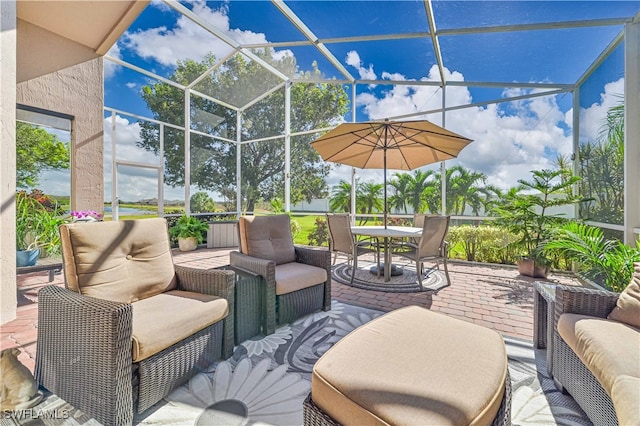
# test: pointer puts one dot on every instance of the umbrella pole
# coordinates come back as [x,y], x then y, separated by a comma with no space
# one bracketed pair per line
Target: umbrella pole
[384,157]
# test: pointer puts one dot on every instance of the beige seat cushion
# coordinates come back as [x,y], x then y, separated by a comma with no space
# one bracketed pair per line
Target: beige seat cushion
[609,349]
[296,276]
[267,237]
[626,400]
[627,309]
[123,261]
[168,318]
[413,367]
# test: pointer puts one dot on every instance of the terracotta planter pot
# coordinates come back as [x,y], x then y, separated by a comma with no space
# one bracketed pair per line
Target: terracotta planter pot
[529,268]
[187,244]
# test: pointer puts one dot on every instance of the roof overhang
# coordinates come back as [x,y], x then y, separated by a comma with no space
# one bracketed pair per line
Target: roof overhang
[94,24]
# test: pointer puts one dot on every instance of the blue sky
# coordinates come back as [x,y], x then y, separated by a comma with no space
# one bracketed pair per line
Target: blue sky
[510,138]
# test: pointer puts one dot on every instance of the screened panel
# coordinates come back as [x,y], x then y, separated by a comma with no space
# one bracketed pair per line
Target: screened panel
[262,174]
[525,56]
[390,101]
[601,152]
[387,59]
[173,171]
[336,18]
[241,80]
[265,118]
[213,172]
[462,14]
[212,118]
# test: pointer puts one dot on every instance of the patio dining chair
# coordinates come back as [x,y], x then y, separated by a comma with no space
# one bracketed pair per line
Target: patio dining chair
[431,246]
[342,240]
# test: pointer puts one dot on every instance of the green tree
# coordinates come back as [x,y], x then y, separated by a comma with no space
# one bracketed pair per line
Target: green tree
[601,166]
[371,197]
[399,198]
[418,184]
[340,200]
[213,162]
[37,150]
[202,203]
[466,188]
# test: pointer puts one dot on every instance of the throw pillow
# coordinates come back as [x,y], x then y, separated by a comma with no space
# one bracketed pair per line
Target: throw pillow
[627,309]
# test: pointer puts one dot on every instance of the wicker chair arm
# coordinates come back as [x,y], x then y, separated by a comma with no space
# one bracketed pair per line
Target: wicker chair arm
[321,258]
[582,300]
[84,353]
[266,269]
[215,282]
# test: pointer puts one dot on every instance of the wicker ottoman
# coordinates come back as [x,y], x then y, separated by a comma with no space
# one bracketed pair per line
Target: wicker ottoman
[412,366]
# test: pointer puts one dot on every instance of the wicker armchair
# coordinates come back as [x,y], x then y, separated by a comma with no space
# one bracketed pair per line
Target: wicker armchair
[297,279]
[569,372]
[129,327]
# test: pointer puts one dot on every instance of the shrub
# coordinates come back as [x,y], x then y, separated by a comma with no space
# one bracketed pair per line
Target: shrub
[491,244]
[320,234]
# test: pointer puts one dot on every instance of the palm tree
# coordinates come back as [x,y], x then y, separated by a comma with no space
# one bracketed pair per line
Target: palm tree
[371,198]
[418,183]
[465,188]
[340,200]
[400,192]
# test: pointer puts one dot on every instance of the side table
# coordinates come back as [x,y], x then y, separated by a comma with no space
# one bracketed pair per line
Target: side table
[249,314]
[543,311]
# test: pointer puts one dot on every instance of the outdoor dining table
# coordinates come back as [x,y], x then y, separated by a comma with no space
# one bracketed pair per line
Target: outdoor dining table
[387,233]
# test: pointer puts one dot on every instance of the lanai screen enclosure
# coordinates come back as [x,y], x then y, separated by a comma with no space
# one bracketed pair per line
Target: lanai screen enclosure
[224,98]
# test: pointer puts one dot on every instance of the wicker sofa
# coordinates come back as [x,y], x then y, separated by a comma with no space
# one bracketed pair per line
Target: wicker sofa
[596,351]
[297,279]
[130,326]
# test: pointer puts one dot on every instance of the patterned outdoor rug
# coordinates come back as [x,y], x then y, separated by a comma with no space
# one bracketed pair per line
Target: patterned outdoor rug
[432,280]
[266,380]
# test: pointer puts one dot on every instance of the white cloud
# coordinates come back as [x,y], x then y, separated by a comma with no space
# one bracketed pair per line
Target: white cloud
[508,143]
[594,117]
[353,59]
[187,40]
[110,68]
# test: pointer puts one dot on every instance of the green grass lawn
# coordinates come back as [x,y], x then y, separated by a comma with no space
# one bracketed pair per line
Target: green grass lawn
[307,225]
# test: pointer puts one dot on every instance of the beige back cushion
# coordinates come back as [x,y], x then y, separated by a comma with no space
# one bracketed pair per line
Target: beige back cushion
[627,309]
[122,261]
[267,237]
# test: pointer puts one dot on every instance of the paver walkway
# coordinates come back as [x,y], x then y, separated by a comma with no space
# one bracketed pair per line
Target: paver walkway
[493,296]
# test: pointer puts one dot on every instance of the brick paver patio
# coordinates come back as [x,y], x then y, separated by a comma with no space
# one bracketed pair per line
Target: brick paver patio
[490,295]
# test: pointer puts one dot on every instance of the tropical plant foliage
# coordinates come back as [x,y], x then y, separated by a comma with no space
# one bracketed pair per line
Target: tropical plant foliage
[609,262]
[189,226]
[601,166]
[528,210]
[37,223]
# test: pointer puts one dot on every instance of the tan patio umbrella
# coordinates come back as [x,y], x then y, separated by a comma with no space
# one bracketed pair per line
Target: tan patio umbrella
[398,145]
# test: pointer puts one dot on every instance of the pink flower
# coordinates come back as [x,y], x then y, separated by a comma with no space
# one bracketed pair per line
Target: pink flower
[82,214]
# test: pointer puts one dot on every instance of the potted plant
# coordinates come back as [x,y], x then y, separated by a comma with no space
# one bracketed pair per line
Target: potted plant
[29,213]
[189,231]
[528,212]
